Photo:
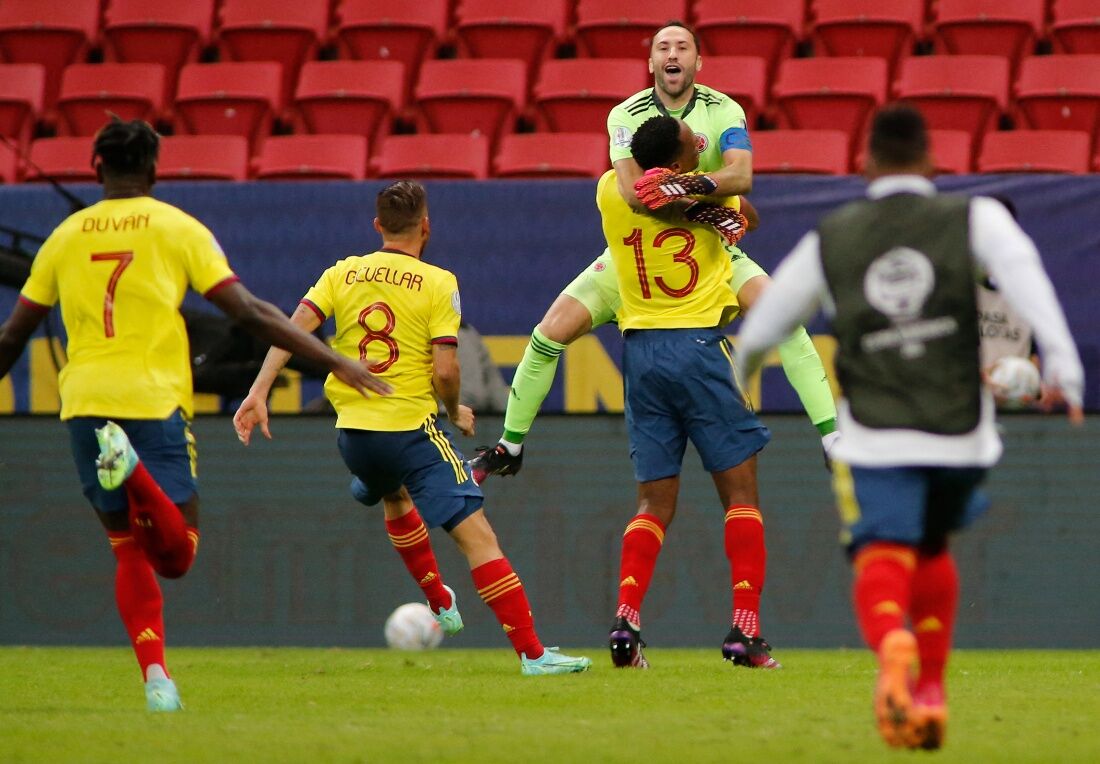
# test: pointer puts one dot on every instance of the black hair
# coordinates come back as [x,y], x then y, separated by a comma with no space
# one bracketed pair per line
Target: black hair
[899,137]
[676,23]
[126,148]
[656,142]
[401,205]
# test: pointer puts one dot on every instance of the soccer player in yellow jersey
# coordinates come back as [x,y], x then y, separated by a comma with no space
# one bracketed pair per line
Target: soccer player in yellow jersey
[120,269]
[401,315]
[673,277]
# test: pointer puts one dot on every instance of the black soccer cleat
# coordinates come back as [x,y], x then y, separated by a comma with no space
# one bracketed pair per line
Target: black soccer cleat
[494,461]
[626,646]
[752,652]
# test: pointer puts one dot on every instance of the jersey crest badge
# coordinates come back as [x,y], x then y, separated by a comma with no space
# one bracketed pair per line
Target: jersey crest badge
[598,267]
[702,143]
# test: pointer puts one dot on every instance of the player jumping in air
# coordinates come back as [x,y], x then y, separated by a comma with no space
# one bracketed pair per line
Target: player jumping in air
[896,272]
[401,315]
[120,269]
[674,279]
[592,299]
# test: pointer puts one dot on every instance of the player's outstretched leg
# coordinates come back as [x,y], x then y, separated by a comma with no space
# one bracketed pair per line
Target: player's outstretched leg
[157,524]
[932,612]
[642,542]
[747,555]
[140,604]
[409,536]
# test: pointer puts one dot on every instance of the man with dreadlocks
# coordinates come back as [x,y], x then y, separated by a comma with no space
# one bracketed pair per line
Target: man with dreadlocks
[120,269]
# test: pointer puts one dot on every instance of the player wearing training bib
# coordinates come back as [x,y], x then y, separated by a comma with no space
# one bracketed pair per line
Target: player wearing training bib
[592,298]
[120,269]
[677,368]
[400,316]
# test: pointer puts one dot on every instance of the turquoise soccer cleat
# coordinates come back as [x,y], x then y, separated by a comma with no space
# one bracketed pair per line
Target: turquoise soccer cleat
[162,695]
[553,662]
[449,620]
[117,458]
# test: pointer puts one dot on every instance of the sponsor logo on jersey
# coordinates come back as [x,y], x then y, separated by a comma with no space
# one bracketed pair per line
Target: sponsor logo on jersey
[622,137]
[702,143]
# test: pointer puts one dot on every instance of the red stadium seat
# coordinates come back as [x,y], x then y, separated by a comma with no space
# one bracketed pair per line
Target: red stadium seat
[575,95]
[408,32]
[472,95]
[830,93]
[165,32]
[203,157]
[622,28]
[54,33]
[952,151]
[313,157]
[822,152]
[67,159]
[1076,26]
[988,27]
[90,91]
[867,28]
[434,157]
[1035,151]
[553,155]
[1060,93]
[9,165]
[750,28]
[357,97]
[506,29]
[273,30]
[742,78]
[21,87]
[237,98]
[950,101]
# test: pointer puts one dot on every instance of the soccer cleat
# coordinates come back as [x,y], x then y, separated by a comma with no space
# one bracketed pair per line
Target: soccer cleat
[894,709]
[162,695]
[494,461]
[626,646]
[117,458]
[552,662]
[752,652]
[929,717]
[449,619]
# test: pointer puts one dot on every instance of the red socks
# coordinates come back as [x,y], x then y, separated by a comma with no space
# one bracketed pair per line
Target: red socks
[158,526]
[409,537]
[883,582]
[935,600]
[139,601]
[501,589]
[641,545]
[748,558]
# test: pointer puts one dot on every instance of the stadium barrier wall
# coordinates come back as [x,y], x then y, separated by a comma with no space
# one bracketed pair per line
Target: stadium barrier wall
[288,558]
[534,237]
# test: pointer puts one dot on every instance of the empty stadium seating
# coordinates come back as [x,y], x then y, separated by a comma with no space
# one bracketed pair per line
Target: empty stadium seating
[9,165]
[469,95]
[988,27]
[441,157]
[822,152]
[203,157]
[21,88]
[67,159]
[1060,93]
[622,28]
[313,157]
[952,151]
[867,28]
[506,29]
[749,28]
[236,98]
[90,91]
[552,155]
[570,97]
[54,33]
[1035,151]
[166,32]
[359,97]
[1076,26]
[742,78]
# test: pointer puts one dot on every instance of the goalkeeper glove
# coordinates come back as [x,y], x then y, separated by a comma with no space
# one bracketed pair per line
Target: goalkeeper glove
[726,220]
[660,186]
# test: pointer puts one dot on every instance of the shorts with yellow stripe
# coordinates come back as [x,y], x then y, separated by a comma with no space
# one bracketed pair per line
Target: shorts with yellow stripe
[424,460]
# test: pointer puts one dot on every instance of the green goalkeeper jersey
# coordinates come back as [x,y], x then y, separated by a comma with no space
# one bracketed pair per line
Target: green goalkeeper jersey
[717,120]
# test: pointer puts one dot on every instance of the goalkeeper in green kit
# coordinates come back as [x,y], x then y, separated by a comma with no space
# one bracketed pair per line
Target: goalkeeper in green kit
[592,299]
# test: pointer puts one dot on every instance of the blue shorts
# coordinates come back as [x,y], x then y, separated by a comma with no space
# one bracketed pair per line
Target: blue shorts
[906,505]
[680,385]
[425,461]
[165,446]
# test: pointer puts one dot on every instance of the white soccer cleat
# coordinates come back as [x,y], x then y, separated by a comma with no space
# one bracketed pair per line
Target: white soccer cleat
[117,458]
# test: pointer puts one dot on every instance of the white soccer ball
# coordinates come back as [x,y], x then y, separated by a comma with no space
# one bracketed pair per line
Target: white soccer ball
[413,627]
[1015,380]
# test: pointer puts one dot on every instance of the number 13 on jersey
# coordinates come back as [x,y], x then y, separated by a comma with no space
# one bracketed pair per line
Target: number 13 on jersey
[683,255]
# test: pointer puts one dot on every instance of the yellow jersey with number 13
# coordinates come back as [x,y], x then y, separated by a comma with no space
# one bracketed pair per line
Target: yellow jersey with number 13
[390,309]
[120,269]
[672,274]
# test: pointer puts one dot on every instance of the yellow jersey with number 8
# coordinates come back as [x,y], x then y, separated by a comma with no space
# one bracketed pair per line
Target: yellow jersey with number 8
[390,309]
[120,269]
[672,274]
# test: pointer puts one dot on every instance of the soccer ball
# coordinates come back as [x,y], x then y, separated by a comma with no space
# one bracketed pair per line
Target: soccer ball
[1014,380]
[412,627]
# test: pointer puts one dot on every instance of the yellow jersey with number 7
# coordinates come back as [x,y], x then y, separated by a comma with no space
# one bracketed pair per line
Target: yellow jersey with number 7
[120,269]
[672,274]
[390,309]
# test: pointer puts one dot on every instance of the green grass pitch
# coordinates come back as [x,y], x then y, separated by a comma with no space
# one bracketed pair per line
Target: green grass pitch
[344,705]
